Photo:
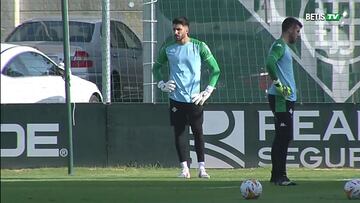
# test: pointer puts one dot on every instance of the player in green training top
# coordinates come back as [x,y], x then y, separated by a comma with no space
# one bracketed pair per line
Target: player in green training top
[282,96]
[184,56]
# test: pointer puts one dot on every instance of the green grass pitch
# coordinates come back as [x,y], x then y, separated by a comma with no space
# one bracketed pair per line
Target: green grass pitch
[160,185]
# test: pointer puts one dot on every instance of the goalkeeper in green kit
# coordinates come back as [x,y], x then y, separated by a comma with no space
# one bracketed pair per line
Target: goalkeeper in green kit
[184,56]
[282,97]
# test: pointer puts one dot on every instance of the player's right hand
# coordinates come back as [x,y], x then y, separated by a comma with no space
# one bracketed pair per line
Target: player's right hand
[199,99]
[167,87]
[285,91]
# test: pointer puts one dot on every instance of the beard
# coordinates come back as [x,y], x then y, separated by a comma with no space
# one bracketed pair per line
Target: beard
[178,37]
[292,40]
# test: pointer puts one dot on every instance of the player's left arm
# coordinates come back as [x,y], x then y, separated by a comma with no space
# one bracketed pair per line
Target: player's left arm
[213,66]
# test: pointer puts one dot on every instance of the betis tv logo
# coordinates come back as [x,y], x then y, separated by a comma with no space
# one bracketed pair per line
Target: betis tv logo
[323,17]
[330,50]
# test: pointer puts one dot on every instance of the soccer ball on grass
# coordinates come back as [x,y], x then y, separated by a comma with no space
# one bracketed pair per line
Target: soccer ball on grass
[352,189]
[251,189]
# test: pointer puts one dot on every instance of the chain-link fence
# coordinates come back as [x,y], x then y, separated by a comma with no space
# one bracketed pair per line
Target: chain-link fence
[239,33]
[39,24]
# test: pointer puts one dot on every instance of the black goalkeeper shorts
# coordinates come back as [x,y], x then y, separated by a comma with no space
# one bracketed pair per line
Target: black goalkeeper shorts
[283,111]
[186,114]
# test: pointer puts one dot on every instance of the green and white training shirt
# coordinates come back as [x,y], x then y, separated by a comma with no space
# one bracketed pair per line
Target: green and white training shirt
[279,64]
[185,67]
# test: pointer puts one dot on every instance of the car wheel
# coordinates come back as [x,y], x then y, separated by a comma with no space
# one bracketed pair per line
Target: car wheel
[94,99]
[115,87]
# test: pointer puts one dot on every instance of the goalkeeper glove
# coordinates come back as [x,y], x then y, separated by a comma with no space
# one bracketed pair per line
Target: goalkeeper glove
[168,87]
[285,91]
[203,96]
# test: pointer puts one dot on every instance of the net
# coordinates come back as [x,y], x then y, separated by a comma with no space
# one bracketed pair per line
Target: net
[240,33]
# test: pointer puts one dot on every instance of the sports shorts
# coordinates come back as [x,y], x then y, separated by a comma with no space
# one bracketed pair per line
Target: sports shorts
[185,113]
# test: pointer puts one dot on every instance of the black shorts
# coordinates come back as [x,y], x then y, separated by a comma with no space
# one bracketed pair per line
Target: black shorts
[283,111]
[186,114]
[278,104]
